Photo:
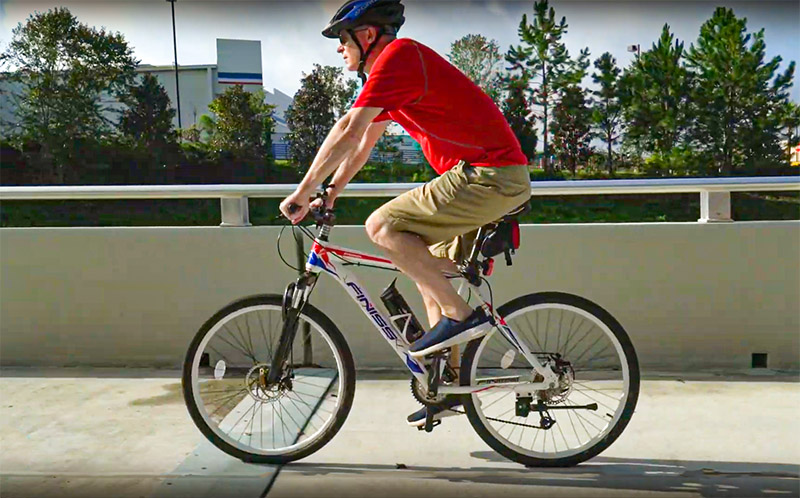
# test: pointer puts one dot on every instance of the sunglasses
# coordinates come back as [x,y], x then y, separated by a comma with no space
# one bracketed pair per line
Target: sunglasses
[343,40]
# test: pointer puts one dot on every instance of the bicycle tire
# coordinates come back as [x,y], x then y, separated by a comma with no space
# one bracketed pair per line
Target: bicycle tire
[542,301]
[347,375]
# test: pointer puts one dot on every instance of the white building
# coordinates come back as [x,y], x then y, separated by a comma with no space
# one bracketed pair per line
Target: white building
[238,63]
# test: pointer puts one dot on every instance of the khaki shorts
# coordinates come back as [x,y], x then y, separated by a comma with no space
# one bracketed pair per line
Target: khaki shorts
[447,211]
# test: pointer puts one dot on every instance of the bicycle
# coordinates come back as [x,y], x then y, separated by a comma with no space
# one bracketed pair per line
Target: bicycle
[272,359]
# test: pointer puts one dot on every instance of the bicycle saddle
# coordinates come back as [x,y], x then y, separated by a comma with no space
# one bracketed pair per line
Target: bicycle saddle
[517,212]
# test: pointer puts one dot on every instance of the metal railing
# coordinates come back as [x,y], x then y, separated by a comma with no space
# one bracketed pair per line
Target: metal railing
[715,205]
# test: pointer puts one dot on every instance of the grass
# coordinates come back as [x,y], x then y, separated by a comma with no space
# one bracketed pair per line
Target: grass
[353,211]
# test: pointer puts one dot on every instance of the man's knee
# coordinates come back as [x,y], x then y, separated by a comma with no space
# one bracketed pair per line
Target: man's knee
[377,227]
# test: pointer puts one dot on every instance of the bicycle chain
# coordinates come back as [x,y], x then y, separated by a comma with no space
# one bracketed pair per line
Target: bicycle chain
[503,421]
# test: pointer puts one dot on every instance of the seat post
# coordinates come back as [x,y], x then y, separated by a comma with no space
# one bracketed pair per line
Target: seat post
[473,255]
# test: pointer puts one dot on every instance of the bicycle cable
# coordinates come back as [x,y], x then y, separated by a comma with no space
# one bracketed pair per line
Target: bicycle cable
[491,294]
[280,253]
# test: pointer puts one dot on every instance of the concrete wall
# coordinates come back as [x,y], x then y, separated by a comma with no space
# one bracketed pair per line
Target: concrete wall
[692,296]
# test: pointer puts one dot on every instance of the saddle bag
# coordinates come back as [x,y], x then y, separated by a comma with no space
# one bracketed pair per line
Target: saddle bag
[503,239]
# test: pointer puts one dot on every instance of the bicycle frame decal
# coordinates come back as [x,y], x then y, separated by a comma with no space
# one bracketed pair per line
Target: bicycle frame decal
[509,334]
[319,260]
[413,365]
[374,313]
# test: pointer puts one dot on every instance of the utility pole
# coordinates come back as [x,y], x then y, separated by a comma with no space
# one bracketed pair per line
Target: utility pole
[175,47]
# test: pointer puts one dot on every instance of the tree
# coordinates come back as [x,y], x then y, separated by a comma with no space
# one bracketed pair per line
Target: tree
[147,120]
[741,103]
[655,96]
[542,58]
[572,120]
[324,96]
[480,60]
[607,109]
[242,129]
[147,139]
[62,68]
[516,109]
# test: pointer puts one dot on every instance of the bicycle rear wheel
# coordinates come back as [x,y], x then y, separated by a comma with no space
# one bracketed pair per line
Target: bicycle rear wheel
[225,388]
[598,368]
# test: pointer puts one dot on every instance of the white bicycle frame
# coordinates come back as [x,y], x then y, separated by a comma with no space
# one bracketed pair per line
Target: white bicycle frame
[319,260]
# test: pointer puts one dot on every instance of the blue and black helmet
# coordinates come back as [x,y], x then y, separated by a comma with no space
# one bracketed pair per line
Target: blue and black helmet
[386,15]
[381,13]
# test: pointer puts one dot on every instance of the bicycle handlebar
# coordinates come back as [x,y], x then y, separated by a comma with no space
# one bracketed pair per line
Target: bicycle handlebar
[322,215]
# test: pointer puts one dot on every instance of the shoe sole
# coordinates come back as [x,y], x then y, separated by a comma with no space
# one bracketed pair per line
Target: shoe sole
[466,336]
[438,416]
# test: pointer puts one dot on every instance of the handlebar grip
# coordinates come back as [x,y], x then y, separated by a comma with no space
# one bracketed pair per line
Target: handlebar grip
[292,208]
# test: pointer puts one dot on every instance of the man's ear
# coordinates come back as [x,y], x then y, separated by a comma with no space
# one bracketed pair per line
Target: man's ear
[372,34]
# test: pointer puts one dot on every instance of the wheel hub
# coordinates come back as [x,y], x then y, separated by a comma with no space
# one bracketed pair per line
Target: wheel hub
[566,378]
[256,384]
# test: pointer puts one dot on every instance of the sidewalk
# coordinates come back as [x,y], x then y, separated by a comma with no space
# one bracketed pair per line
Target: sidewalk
[126,433]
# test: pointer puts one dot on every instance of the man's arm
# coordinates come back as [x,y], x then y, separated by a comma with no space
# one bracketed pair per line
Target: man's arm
[342,142]
[353,164]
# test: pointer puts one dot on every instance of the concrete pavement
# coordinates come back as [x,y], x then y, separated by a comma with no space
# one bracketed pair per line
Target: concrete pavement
[126,433]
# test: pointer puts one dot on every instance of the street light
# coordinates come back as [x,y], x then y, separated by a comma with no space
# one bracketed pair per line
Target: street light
[635,48]
[175,46]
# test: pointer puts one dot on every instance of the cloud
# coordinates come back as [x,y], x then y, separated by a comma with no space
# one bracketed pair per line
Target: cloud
[289,31]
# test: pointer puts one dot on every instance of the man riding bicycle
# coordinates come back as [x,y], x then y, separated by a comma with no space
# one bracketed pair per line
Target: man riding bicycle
[463,135]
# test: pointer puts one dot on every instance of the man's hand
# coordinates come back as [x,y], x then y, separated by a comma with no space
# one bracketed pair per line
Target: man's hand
[343,140]
[299,200]
[332,193]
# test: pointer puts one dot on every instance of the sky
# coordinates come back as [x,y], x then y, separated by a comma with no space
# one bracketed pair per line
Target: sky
[291,42]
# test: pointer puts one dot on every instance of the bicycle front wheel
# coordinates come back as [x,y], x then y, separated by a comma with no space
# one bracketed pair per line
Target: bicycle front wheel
[591,405]
[225,388]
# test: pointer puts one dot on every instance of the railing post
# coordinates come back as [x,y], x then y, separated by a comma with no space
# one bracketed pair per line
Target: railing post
[715,207]
[235,212]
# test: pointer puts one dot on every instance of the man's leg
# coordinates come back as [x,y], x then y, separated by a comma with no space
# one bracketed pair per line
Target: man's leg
[434,313]
[432,309]
[455,203]
[412,257]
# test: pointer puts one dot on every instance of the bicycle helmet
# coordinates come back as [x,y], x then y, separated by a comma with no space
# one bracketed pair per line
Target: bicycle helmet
[386,15]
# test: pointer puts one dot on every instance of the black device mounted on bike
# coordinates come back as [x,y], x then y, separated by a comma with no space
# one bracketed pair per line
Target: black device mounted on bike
[400,313]
[504,238]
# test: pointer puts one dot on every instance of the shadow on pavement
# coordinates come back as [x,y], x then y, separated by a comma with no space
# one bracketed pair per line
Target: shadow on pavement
[699,478]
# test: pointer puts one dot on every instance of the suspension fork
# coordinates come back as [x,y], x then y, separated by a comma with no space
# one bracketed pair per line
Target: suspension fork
[294,299]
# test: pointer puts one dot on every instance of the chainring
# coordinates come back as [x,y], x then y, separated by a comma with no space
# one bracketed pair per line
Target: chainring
[420,392]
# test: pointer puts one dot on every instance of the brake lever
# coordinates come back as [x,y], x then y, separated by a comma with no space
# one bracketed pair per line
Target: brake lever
[320,214]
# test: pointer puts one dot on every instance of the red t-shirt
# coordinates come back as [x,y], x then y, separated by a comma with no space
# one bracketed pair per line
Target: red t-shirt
[443,110]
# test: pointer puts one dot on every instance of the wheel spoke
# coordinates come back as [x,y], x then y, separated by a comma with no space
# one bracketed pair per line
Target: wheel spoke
[289,416]
[592,373]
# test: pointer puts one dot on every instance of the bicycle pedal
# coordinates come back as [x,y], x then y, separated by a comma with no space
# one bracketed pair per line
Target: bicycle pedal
[429,427]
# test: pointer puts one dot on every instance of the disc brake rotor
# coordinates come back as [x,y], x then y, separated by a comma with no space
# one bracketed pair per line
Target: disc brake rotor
[256,385]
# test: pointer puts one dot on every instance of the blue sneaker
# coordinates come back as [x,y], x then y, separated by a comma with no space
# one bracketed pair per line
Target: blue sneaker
[449,332]
[417,419]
